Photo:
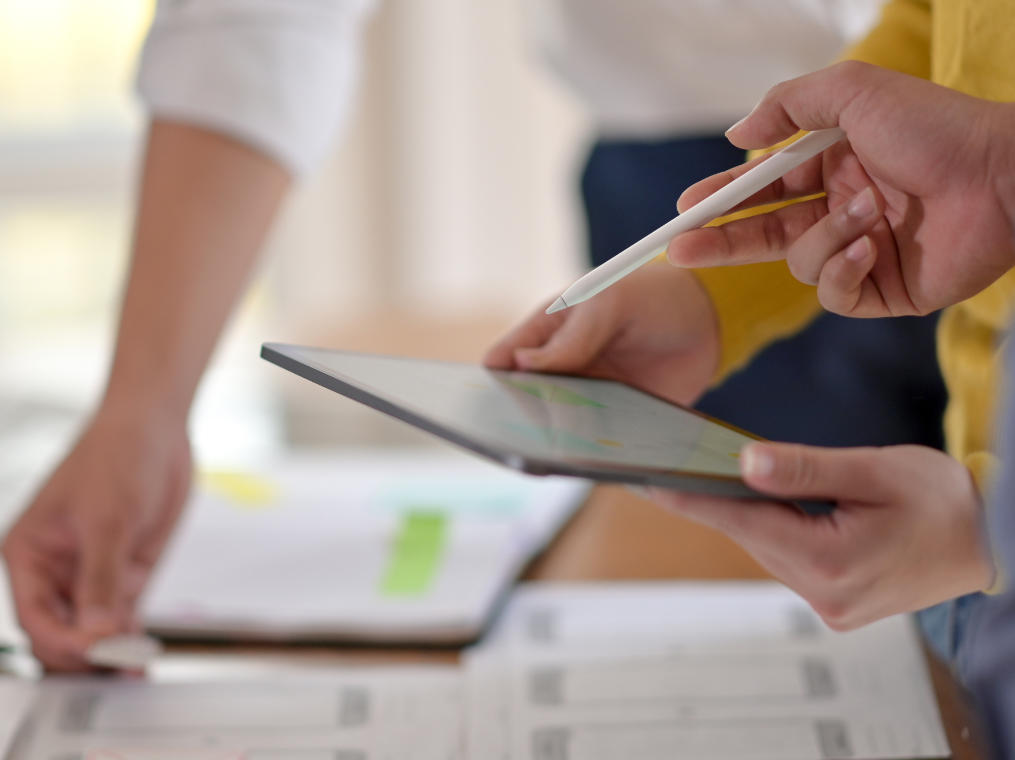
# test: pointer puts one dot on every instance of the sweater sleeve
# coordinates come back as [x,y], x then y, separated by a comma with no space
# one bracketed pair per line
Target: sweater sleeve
[755,305]
[276,74]
[900,40]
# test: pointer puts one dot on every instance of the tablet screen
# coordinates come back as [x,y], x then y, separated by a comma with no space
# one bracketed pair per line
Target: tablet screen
[549,417]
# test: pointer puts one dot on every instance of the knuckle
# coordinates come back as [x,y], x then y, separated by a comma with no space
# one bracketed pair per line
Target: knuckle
[837,293]
[840,624]
[778,91]
[800,267]
[851,69]
[832,300]
[829,568]
[106,526]
[772,231]
[835,612]
[798,471]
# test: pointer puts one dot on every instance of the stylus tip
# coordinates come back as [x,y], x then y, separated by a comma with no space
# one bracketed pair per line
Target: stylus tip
[559,305]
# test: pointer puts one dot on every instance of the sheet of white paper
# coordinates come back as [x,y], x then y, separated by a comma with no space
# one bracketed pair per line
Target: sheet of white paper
[16,699]
[699,670]
[361,714]
[127,651]
[306,548]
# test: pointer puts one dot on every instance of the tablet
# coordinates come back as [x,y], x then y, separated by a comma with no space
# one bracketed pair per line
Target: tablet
[538,423]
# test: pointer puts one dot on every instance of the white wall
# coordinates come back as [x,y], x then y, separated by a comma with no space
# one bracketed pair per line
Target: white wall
[453,190]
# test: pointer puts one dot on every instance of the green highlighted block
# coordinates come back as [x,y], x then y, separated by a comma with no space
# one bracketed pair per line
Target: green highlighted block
[555,394]
[416,554]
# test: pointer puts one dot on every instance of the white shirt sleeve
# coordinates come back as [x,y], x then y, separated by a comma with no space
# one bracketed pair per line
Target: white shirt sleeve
[276,74]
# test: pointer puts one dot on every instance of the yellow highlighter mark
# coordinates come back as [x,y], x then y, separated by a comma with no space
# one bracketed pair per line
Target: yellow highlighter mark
[241,489]
[610,442]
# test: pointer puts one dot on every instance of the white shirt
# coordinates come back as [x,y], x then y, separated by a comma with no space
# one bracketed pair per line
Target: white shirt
[652,68]
[279,74]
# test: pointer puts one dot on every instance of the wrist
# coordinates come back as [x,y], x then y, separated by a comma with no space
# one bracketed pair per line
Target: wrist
[143,405]
[149,379]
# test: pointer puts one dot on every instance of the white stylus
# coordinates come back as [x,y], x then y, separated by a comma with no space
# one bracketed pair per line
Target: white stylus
[712,207]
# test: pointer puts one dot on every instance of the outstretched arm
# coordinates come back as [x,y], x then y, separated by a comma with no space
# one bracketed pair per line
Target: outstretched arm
[206,204]
[81,554]
[243,97]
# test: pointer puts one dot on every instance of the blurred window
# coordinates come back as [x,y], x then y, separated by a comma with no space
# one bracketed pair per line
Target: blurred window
[449,195]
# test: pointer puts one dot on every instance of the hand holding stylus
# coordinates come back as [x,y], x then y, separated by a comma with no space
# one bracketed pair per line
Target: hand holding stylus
[918,211]
[760,175]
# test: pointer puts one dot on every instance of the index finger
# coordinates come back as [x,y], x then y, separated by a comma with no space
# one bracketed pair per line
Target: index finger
[802,181]
[531,333]
[44,614]
[746,522]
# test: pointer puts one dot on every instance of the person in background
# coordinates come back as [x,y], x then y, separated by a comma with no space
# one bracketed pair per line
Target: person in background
[660,116]
[245,96]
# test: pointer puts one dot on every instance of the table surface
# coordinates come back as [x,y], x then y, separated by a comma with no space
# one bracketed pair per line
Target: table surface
[617,536]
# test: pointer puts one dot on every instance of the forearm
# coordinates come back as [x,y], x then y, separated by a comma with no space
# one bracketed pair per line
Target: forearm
[206,204]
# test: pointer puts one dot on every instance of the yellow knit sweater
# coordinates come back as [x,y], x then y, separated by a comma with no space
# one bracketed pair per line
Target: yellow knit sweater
[966,45]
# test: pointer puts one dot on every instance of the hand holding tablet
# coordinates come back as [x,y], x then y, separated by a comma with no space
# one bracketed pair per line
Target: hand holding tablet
[539,424]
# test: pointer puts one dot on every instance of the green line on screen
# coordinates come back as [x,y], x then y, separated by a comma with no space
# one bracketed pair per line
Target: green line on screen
[416,554]
[553,393]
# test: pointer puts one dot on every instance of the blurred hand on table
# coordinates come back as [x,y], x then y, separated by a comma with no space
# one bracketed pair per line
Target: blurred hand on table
[80,555]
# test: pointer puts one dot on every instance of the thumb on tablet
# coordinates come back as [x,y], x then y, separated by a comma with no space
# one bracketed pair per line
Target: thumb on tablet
[793,470]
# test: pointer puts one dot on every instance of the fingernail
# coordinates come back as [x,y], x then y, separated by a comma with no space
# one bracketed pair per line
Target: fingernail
[756,462]
[863,205]
[737,125]
[749,114]
[858,250]
[639,491]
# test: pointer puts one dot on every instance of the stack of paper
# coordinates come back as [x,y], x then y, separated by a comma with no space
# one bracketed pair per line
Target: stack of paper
[673,671]
[392,547]
[16,699]
[711,671]
[365,714]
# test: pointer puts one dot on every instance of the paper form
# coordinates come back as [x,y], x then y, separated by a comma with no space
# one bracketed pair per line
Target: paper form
[708,671]
[16,699]
[386,547]
[367,714]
